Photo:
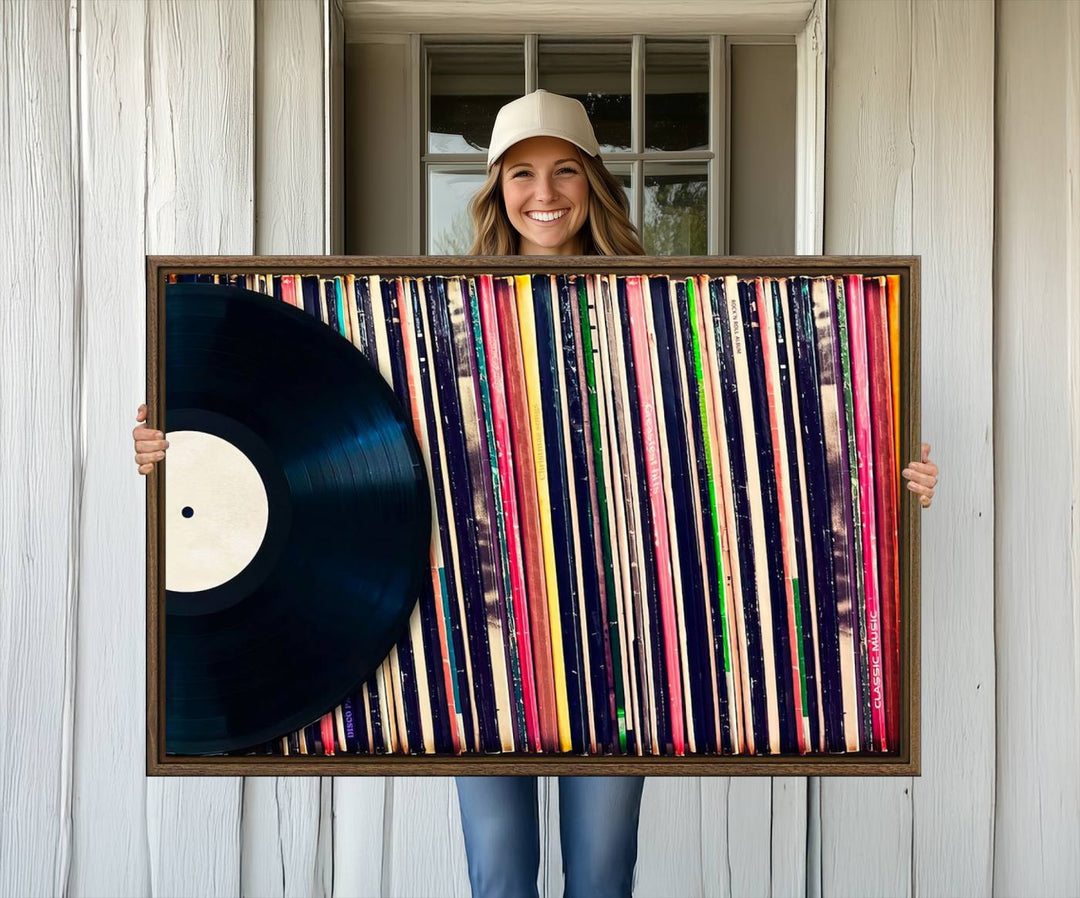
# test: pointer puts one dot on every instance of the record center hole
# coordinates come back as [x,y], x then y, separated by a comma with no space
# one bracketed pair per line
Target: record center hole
[187,511]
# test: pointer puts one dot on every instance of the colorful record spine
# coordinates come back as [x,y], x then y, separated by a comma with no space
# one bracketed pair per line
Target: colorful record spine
[507,509]
[528,515]
[644,340]
[567,571]
[580,531]
[585,332]
[773,343]
[538,399]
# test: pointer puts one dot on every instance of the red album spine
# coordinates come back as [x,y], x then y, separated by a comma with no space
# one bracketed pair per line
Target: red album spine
[881,408]
[504,448]
[861,395]
[326,725]
[528,512]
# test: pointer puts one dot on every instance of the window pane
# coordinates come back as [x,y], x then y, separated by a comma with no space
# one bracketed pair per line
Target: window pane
[624,176]
[762,178]
[466,86]
[676,209]
[597,74]
[449,230]
[676,95]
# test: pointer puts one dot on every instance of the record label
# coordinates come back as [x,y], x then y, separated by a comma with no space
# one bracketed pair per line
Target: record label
[215,511]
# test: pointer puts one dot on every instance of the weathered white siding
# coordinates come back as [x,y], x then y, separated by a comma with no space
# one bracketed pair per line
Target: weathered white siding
[1037,454]
[199,199]
[953,131]
[109,824]
[910,169]
[41,447]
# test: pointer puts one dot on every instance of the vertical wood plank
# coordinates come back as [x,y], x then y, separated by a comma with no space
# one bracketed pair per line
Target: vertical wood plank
[424,847]
[109,813]
[1036,370]
[910,169]
[788,861]
[40,441]
[715,860]
[289,128]
[952,106]
[282,832]
[669,838]
[199,195]
[360,809]
[736,836]
[749,835]
[869,157]
[810,132]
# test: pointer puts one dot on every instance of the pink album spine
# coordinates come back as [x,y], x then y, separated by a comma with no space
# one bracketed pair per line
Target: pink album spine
[864,447]
[504,449]
[643,369]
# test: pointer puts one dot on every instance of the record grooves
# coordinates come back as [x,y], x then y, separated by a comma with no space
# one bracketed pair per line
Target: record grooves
[348,519]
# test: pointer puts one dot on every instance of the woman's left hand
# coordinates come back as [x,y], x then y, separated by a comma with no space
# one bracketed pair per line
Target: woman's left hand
[922,477]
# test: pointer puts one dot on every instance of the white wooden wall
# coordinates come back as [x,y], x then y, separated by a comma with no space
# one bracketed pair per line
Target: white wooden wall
[198,127]
[910,169]
[1036,839]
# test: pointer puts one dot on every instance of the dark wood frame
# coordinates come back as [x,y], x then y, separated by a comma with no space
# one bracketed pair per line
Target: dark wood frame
[906,762]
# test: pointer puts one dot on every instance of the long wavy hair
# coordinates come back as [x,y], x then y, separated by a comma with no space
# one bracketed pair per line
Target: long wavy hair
[607,231]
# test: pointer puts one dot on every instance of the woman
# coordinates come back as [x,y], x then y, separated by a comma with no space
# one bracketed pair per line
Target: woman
[548,193]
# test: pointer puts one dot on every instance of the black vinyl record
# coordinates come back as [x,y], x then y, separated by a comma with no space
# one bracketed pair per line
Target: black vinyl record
[343,534]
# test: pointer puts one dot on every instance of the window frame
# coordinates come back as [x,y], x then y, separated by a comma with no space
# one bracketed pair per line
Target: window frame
[714,159]
[810,44]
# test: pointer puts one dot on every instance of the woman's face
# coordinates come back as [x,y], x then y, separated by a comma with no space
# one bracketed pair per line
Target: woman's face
[546,195]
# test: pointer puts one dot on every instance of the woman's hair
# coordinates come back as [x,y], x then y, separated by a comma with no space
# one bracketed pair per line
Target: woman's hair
[607,231]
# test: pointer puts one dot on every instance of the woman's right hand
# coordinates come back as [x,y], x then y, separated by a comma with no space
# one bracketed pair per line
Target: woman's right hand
[150,445]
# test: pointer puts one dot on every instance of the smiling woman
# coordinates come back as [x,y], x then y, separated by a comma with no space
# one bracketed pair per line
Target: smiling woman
[547,191]
[546,195]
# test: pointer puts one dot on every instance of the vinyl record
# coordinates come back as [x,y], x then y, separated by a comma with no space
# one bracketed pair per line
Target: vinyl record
[297,519]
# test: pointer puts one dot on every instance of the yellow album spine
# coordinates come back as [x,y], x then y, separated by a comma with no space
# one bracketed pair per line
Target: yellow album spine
[527,329]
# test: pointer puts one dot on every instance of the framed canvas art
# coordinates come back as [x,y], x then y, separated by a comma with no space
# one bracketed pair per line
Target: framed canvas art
[493,515]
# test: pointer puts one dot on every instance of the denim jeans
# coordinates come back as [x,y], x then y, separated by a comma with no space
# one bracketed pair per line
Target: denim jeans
[598,830]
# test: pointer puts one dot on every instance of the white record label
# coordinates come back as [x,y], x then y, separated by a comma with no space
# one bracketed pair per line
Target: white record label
[216,511]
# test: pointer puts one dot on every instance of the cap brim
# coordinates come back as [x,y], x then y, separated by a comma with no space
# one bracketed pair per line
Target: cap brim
[495,152]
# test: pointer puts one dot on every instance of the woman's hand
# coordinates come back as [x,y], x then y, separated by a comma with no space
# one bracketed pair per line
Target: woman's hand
[922,477]
[150,445]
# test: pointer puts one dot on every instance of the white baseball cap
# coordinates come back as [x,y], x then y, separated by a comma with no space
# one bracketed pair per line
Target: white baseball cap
[541,114]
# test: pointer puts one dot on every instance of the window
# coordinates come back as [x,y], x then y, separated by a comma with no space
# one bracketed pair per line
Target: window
[659,107]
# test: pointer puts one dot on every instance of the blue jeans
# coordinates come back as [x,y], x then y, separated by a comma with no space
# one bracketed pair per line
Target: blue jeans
[598,829]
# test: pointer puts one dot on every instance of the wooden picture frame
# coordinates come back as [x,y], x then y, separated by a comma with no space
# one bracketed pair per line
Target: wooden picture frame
[904,762]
